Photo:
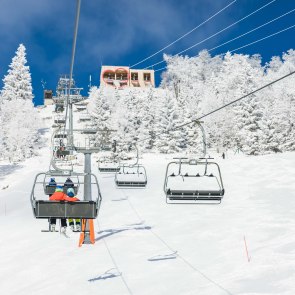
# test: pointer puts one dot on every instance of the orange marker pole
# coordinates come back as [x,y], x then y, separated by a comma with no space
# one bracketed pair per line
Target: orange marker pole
[248,257]
[91,232]
[82,234]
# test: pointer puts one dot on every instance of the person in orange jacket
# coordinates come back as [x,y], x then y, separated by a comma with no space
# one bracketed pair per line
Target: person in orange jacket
[58,195]
[71,198]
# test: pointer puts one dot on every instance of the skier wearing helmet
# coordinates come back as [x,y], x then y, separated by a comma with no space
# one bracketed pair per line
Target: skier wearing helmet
[71,198]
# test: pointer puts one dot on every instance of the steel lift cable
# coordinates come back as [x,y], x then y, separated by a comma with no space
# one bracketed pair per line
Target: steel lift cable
[114,262]
[259,40]
[251,43]
[255,29]
[184,35]
[217,33]
[174,251]
[69,108]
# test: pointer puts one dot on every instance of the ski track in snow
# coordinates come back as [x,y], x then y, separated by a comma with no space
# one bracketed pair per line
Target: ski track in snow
[144,246]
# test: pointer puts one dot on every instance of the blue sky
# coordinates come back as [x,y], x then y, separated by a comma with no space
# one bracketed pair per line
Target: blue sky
[123,32]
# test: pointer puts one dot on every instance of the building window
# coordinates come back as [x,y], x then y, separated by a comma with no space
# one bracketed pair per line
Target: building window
[109,75]
[134,76]
[48,94]
[121,75]
[147,77]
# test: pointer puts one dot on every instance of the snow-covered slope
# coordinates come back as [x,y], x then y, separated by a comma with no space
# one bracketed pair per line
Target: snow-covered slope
[144,246]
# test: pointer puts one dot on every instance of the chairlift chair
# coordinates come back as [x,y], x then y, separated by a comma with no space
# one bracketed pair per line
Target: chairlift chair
[131,175]
[60,135]
[89,131]
[81,108]
[106,165]
[62,153]
[43,208]
[194,181]
[59,107]
[59,120]
[85,118]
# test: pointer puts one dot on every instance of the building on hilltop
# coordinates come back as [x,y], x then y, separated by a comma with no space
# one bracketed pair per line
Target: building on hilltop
[120,77]
[47,96]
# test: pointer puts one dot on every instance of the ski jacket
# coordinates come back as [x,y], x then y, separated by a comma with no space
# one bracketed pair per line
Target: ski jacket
[71,199]
[60,196]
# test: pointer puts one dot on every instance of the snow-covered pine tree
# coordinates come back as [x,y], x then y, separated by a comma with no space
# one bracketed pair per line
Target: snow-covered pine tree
[245,76]
[17,83]
[288,96]
[147,127]
[19,118]
[132,117]
[167,118]
[101,116]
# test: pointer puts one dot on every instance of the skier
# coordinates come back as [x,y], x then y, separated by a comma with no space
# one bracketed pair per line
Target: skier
[52,183]
[72,198]
[58,195]
[68,183]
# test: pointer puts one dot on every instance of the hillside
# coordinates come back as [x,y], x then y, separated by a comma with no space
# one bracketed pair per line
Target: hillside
[144,246]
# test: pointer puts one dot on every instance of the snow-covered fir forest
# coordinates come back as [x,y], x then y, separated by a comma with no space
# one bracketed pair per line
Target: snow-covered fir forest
[191,87]
[194,86]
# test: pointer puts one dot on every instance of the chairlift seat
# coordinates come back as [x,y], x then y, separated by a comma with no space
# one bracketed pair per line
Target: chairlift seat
[56,209]
[122,183]
[62,153]
[50,189]
[60,121]
[60,136]
[89,131]
[190,197]
[81,108]
[131,178]
[84,119]
[195,192]
[108,169]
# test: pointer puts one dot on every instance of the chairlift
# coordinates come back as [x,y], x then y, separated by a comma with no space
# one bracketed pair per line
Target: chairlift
[60,135]
[84,209]
[84,118]
[81,108]
[107,165]
[82,102]
[62,153]
[59,107]
[59,120]
[61,150]
[89,131]
[193,181]
[131,175]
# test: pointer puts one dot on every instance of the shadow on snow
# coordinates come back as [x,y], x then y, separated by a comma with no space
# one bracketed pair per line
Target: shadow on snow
[109,232]
[109,274]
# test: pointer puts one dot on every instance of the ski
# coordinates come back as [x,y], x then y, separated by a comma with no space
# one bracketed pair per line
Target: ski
[65,235]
